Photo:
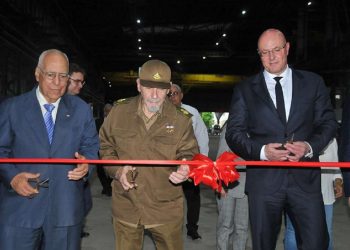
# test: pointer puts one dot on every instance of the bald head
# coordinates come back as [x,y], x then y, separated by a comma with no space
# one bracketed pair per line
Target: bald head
[269,33]
[273,50]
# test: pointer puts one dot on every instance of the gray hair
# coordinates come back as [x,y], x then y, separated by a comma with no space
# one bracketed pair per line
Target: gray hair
[177,87]
[50,51]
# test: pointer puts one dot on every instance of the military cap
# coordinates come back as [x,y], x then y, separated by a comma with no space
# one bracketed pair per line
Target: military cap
[155,74]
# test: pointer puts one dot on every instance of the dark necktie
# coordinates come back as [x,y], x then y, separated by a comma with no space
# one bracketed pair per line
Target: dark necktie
[280,100]
[48,120]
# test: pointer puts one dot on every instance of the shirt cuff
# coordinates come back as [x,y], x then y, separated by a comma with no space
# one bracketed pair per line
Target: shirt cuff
[262,154]
[310,154]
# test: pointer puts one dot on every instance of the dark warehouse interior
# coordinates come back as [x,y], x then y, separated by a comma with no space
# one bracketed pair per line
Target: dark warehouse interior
[209,45]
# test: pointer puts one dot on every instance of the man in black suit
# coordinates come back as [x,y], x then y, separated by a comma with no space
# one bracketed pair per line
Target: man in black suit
[282,114]
[344,149]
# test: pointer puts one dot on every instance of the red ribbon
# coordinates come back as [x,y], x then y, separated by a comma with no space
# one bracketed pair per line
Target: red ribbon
[202,169]
[214,173]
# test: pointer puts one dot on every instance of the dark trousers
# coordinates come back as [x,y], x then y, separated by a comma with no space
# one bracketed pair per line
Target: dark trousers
[48,237]
[193,199]
[305,209]
[104,179]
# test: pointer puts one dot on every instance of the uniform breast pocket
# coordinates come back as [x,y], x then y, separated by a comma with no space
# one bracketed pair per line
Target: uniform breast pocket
[123,137]
[165,146]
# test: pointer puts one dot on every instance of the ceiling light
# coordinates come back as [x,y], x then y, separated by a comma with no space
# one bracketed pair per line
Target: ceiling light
[140,48]
[309,3]
[149,56]
[178,61]
[138,21]
[217,43]
[139,40]
[244,12]
[204,57]
[224,34]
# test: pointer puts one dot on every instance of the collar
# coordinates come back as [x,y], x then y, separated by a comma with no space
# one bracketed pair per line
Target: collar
[285,74]
[42,99]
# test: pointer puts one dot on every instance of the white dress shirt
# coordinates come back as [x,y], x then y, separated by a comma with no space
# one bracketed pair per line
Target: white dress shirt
[328,175]
[200,130]
[43,101]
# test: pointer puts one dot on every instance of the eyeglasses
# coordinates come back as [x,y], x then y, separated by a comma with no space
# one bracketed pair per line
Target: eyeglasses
[171,94]
[52,75]
[264,53]
[77,81]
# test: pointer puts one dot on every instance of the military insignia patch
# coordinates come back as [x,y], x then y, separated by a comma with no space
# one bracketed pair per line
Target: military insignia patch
[169,128]
[156,76]
[121,101]
[185,112]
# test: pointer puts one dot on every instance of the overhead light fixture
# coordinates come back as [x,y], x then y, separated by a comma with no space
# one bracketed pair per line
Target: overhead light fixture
[150,56]
[204,57]
[309,3]
[224,34]
[140,48]
[139,40]
[138,21]
[244,12]
[217,43]
[178,61]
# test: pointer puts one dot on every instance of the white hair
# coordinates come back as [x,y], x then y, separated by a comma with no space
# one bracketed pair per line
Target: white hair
[47,52]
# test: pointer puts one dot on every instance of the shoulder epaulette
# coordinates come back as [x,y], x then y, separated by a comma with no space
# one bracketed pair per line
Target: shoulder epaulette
[184,111]
[121,101]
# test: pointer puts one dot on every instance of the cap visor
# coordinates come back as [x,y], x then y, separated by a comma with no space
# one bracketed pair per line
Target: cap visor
[158,85]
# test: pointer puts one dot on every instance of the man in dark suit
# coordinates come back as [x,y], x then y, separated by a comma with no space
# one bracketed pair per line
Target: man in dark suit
[344,149]
[269,111]
[42,204]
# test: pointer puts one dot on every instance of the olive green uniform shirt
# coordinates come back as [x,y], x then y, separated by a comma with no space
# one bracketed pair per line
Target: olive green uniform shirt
[124,135]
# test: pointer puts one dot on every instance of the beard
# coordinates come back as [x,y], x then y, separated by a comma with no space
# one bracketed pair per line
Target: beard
[153,104]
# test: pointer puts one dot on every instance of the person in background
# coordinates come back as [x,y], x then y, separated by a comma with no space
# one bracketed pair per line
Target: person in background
[282,114]
[101,173]
[344,149]
[76,79]
[75,84]
[42,205]
[233,220]
[192,192]
[332,188]
[148,127]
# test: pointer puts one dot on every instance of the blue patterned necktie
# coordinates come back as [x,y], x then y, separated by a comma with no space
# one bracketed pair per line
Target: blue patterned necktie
[48,120]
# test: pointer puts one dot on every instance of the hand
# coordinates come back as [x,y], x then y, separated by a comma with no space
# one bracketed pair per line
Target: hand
[298,148]
[121,176]
[20,184]
[80,171]
[180,175]
[223,193]
[338,188]
[274,154]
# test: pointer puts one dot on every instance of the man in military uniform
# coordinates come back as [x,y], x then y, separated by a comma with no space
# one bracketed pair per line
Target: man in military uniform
[148,127]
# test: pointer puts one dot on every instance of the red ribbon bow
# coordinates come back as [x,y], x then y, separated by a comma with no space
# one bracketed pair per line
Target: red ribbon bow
[214,173]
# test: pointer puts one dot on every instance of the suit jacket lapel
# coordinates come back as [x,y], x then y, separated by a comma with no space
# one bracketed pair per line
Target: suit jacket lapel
[34,116]
[260,89]
[296,94]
